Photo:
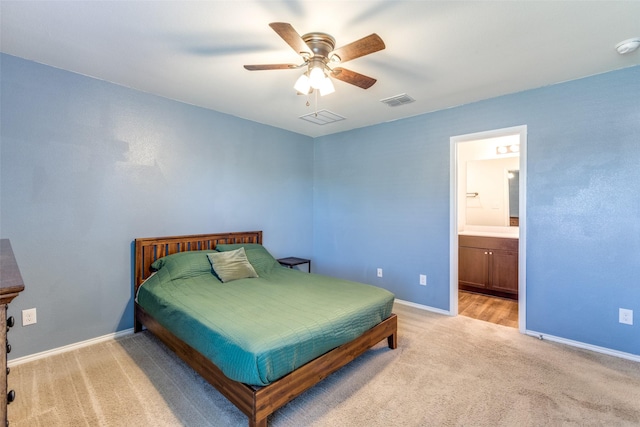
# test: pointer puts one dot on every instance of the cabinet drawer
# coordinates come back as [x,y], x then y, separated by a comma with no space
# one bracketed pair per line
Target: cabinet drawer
[496,243]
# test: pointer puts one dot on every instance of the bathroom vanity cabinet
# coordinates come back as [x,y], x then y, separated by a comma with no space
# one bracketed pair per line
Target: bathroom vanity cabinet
[488,265]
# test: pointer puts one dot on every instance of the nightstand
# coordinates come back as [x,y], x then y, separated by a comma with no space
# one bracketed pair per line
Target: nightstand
[293,261]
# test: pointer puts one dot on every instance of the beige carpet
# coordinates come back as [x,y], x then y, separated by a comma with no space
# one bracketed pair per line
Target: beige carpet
[445,372]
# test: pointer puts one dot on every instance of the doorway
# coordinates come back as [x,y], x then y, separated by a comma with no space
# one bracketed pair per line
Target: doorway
[471,148]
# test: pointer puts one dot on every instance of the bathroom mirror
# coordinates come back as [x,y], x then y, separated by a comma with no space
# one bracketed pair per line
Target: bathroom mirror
[513,176]
[491,195]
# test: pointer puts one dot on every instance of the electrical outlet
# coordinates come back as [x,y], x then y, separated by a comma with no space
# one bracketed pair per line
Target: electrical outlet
[29,317]
[423,279]
[626,316]
[379,272]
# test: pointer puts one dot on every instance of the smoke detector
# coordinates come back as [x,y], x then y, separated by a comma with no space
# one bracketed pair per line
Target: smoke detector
[628,46]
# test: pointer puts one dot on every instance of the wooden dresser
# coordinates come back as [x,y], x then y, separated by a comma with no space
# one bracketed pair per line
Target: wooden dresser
[11,285]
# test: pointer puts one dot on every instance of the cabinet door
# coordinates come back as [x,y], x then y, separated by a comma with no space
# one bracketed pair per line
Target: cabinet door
[504,271]
[473,267]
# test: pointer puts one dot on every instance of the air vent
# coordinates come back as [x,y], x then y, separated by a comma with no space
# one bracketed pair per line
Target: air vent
[397,100]
[322,117]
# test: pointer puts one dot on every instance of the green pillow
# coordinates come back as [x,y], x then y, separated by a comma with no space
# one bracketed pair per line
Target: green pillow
[183,265]
[259,257]
[232,265]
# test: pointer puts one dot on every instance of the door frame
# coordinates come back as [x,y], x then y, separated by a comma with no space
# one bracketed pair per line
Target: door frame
[453,222]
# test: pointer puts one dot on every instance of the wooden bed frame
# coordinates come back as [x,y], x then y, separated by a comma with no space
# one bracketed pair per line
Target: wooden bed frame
[256,402]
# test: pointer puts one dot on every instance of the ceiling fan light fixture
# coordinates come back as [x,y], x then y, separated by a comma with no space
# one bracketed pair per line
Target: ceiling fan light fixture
[327,87]
[316,77]
[303,84]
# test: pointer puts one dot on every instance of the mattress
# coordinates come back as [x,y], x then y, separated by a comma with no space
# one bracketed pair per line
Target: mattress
[257,330]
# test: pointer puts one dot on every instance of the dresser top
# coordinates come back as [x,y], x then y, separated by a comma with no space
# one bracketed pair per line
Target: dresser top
[10,278]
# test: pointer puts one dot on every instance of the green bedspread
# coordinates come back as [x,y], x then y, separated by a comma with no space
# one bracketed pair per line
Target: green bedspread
[258,330]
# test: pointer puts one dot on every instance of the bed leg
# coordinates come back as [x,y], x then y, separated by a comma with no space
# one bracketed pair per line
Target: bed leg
[257,423]
[392,341]
[137,324]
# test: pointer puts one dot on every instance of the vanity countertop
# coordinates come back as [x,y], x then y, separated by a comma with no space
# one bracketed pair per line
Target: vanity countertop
[503,232]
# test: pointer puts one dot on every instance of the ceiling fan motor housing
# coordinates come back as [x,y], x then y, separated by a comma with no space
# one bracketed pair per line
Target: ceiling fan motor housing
[321,44]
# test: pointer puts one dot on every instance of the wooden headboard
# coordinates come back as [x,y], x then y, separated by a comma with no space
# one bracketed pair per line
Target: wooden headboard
[149,249]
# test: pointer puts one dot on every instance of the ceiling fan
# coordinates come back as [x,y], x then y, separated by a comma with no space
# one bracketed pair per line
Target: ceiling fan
[320,58]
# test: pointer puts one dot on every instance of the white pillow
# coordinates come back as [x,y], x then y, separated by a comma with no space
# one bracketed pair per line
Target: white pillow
[231,265]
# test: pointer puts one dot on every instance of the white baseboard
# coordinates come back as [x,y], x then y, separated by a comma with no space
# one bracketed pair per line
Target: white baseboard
[423,307]
[64,349]
[578,344]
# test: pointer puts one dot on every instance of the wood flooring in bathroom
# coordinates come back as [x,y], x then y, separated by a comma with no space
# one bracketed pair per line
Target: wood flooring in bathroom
[488,308]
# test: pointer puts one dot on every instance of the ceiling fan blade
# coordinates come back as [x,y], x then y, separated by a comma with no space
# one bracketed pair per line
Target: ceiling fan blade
[351,77]
[364,46]
[291,36]
[270,67]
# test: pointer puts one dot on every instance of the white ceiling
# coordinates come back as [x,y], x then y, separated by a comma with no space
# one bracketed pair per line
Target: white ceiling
[441,53]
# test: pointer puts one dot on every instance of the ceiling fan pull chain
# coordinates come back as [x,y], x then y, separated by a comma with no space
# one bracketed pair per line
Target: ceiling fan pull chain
[316,112]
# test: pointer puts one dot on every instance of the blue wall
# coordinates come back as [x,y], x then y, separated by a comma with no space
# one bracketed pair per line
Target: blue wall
[88,166]
[382,200]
